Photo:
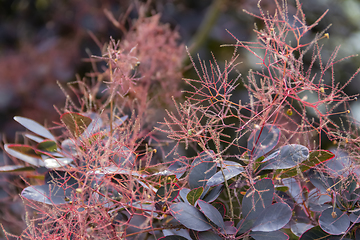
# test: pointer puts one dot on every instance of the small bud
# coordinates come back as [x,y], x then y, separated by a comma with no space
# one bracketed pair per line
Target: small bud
[289,112]
[326,35]
[333,214]
[79,190]
[322,90]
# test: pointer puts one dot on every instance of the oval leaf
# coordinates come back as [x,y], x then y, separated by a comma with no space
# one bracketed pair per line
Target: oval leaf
[262,141]
[211,213]
[214,193]
[34,127]
[49,194]
[24,153]
[47,146]
[229,173]
[75,122]
[334,221]
[190,216]
[257,199]
[34,138]
[167,193]
[273,218]
[316,157]
[276,235]
[315,233]
[287,156]
[173,237]
[57,162]
[208,235]
[203,168]
[15,168]
[194,195]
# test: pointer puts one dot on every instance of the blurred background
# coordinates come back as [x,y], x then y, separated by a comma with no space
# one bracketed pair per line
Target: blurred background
[43,42]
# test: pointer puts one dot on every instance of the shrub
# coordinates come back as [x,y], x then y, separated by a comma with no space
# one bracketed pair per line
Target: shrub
[259,170]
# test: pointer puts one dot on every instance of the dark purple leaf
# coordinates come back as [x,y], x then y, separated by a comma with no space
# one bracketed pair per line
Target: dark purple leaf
[214,193]
[295,189]
[287,156]
[355,217]
[211,213]
[334,221]
[124,157]
[340,165]
[208,235]
[203,168]
[244,225]
[229,172]
[273,218]
[229,228]
[173,237]
[316,233]
[49,194]
[276,235]
[167,193]
[257,198]
[183,194]
[190,216]
[262,141]
[178,168]
[299,228]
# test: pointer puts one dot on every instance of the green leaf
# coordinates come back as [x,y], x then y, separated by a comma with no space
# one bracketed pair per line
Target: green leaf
[75,123]
[194,195]
[47,146]
[316,157]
